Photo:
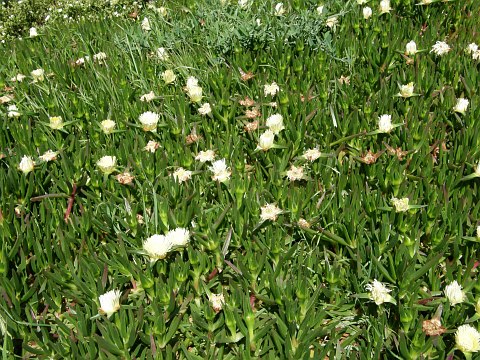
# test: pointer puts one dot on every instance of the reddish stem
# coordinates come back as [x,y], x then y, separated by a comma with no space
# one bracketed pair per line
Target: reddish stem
[70,202]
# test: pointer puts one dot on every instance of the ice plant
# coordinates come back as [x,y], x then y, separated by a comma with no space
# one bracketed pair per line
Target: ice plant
[147,97]
[266,140]
[178,237]
[295,173]
[162,54]
[107,126]
[48,155]
[33,32]
[461,106]
[467,340]
[332,22]
[195,93]
[320,9]
[168,76]
[221,172]
[146,24]
[271,89]
[384,7]
[275,123]
[312,154]
[157,247]
[107,164]
[367,12]
[411,48]
[181,175]
[100,57]
[400,205]
[13,111]
[18,78]
[270,212]
[471,48]
[217,301]
[149,121]
[406,91]
[279,9]
[109,302]
[454,293]
[385,123]
[205,109]
[56,122]
[38,75]
[440,48]
[151,146]
[204,156]
[26,164]
[379,292]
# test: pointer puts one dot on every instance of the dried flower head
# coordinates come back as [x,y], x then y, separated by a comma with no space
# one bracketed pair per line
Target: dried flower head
[151,146]
[247,102]
[251,126]
[304,223]
[295,173]
[433,327]
[217,301]
[125,178]
[253,113]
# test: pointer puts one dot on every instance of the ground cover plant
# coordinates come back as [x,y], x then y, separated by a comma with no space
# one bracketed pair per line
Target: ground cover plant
[241,180]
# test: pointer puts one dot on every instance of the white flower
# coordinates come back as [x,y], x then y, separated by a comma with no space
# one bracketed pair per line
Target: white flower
[38,75]
[217,301]
[243,3]
[146,25]
[270,212]
[181,175]
[49,155]
[312,154]
[168,76]
[275,123]
[361,2]
[271,89]
[13,111]
[151,146]
[476,55]
[379,292]
[461,106]
[195,93]
[26,164]
[162,10]
[149,121]
[157,247]
[18,77]
[80,61]
[221,172]
[477,169]
[279,9]
[440,48]
[204,156]
[192,81]
[100,57]
[385,123]
[478,231]
[178,237]
[477,307]
[424,2]
[266,140]
[406,90]
[56,122]
[33,32]
[467,339]
[385,6]
[401,205]
[110,302]
[107,164]
[162,54]
[205,109]
[367,12]
[454,293]
[320,9]
[107,126]
[332,22]
[147,97]
[471,48]
[295,173]
[411,48]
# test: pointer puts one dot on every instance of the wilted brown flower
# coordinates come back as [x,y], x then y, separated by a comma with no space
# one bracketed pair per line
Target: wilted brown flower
[433,327]
[247,102]
[245,75]
[252,114]
[192,138]
[344,80]
[251,126]
[370,157]
[125,178]
[303,223]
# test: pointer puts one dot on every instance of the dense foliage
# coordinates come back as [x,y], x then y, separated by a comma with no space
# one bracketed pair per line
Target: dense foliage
[334,217]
